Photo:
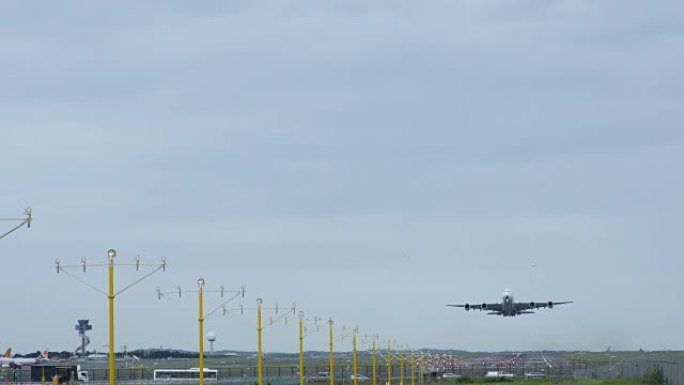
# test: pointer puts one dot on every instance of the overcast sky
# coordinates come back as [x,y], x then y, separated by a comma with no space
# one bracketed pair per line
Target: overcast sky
[369,161]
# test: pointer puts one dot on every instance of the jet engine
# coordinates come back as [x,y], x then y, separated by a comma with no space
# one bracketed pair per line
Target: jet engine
[467,306]
[532,304]
[550,305]
[484,306]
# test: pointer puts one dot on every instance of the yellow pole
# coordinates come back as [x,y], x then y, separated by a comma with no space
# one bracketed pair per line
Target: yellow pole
[421,369]
[200,294]
[356,370]
[332,355]
[389,363]
[374,363]
[112,365]
[413,369]
[301,348]
[401,367]
[260,376]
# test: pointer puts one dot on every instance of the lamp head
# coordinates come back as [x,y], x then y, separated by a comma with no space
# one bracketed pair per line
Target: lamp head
[111,254]
[28,217]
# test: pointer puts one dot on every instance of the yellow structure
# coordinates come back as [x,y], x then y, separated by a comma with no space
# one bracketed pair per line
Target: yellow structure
[354,333]
[421,370]
[260,355]
[111,294]
[413,369]
[112,363]
[332,354]
[374,362]
[303,333]
[301,348]
[354,358]
[401,366]
[201,317]
[389,363]
[260,327]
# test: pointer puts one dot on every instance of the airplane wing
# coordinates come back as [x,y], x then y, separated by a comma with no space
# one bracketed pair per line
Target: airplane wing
[494,307]
[522,306]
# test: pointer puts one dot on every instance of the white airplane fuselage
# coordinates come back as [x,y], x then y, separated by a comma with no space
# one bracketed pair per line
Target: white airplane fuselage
[509,308]
[508,304]
[6,362]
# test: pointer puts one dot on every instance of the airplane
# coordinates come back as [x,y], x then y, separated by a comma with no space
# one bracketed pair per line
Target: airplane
[95,356]
[7,361]
[509,308]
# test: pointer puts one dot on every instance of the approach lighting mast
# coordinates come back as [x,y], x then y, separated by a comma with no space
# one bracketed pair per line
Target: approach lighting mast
[353,333]
[110,294]
[26,220]
[201,314]
[260,327]
[304,332]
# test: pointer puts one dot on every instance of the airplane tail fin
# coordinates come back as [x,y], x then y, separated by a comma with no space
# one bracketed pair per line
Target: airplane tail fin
[45,354]
[8,353]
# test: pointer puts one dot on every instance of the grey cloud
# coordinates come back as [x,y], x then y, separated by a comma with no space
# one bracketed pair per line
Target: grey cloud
[290,145]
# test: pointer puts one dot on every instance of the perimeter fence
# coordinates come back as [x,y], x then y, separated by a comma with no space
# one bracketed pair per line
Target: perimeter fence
[653,372]
[671,372]
[283,375]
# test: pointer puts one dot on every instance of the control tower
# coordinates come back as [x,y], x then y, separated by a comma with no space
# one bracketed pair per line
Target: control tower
[82,328]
